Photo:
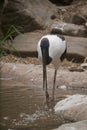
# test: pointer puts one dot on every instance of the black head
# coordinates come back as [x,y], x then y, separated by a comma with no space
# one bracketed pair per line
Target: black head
[45,51]
[44,43]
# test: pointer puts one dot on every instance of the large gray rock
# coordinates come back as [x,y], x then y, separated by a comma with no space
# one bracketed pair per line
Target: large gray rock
[73,108]
[26,44]
[76,48]
[69,29]
[81,125]
[27,15]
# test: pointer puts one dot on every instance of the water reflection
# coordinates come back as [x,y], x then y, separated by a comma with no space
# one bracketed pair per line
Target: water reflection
[23,108]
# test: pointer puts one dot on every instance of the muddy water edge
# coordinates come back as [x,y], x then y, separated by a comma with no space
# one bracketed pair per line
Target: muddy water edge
[24,108]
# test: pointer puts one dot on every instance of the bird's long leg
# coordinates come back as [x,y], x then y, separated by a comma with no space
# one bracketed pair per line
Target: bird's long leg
[45,83]
[54,83]
[46,91]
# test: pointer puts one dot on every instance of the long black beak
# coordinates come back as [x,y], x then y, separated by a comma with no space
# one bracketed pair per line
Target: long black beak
[44,69]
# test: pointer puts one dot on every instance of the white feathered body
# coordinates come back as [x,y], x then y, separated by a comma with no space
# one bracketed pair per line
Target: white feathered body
[57,47]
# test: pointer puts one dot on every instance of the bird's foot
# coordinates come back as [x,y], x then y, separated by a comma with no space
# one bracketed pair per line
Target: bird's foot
[49,99]
[52,99]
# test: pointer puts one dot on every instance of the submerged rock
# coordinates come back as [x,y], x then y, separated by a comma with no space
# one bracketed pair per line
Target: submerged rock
[81,125]
[73,108]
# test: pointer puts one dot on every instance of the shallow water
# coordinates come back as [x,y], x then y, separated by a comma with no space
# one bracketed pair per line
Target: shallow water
[24,108]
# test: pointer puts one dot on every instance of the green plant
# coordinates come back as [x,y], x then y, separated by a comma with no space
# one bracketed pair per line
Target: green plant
[11,31]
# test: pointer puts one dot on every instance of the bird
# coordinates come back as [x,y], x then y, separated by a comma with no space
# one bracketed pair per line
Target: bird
[51,48]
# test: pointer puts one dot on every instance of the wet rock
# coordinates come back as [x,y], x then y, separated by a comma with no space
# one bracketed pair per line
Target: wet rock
[81,125]
[69,29]
[27,15]
[73,108]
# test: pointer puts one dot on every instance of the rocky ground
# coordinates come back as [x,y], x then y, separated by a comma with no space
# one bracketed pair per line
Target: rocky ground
[73,76]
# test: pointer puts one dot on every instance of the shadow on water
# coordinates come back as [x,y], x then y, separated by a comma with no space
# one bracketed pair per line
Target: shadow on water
[23,108]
